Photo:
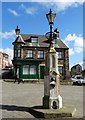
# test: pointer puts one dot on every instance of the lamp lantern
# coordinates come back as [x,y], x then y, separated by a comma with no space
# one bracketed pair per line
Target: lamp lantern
[50,17]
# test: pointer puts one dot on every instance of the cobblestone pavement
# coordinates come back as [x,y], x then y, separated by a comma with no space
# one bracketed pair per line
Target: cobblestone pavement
[16,99]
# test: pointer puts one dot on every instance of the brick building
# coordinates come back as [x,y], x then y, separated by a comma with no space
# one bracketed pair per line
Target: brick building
[3,60]
[29,55]
[76,69]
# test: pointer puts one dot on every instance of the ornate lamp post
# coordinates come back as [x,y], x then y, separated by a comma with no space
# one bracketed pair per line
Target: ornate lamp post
[50,17]
[50,35]
[52,98]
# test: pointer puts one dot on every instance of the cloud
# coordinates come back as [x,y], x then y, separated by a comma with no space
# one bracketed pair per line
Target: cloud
[82,63]
[28,10]
[64,4]
[13,12]
[7,35]
[70,37]
[84,45]
[43,0]
[60,5]
[71,51]
[76,43]
[56,5]
[9,52]
[1,50]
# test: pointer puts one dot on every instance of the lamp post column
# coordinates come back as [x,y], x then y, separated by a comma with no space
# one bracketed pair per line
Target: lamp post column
[51,35]
[52,98]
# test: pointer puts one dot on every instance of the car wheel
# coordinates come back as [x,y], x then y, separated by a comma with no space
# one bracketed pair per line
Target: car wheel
[74,83]
[80,84]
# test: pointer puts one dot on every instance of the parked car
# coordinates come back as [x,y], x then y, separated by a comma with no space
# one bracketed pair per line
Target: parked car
[78,79]
[7,68]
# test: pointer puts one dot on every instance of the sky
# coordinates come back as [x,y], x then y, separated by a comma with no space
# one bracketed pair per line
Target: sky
[30,16]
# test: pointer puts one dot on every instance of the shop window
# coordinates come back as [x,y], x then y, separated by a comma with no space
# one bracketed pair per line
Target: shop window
[26,69]
[29,69]
[33,69]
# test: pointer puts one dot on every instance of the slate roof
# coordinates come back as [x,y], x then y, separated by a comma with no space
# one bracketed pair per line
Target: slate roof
[76,66]
[41,40]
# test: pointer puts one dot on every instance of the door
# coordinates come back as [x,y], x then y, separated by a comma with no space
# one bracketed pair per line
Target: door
[41,72]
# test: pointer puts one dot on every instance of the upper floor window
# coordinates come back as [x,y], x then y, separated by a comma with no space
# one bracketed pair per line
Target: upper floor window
[40,54]
[59,55]
[34,39]
[17,52]
[29,54]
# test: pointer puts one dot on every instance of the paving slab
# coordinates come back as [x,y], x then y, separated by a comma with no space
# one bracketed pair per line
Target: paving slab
[65,111]
[17,99]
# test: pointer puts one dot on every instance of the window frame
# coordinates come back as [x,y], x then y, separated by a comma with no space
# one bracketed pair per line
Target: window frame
[27,67]
[60,55]
[17,53]
[34,39]
[28,70]
[41,54]
[29,54]
[32,67]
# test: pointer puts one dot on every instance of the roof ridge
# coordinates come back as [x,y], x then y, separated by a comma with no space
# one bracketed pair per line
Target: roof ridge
[41,39]
[33,34]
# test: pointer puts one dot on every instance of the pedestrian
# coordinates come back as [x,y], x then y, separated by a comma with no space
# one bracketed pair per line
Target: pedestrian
[17,78]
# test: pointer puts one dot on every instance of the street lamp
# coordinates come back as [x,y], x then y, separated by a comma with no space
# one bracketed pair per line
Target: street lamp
[51,16]
[50,35]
